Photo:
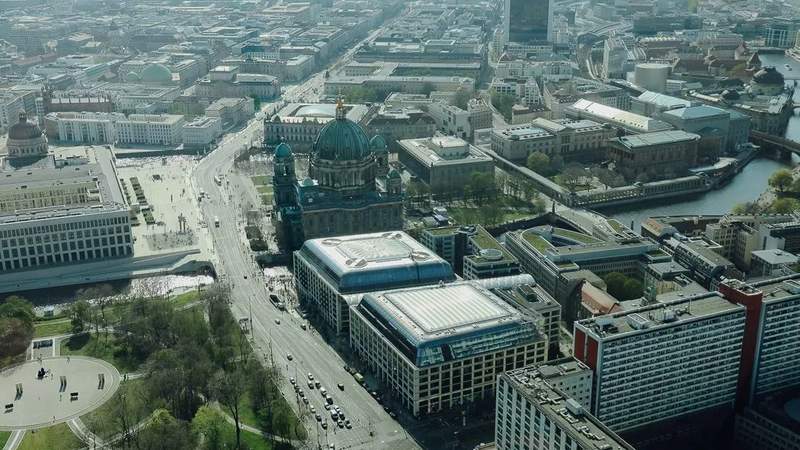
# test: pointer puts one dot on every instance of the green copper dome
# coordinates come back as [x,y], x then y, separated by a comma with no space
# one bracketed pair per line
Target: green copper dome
[378,144]
[341,139]
[283,150]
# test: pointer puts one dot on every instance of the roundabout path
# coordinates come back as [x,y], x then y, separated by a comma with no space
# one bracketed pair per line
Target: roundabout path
[43,403]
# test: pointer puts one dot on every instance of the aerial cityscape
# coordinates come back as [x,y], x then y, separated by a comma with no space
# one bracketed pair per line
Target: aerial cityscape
[400,224]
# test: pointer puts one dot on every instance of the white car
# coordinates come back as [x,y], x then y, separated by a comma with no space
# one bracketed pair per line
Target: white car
[310,377]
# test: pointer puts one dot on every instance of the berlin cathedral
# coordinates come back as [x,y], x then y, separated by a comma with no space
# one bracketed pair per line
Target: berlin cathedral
[350,188]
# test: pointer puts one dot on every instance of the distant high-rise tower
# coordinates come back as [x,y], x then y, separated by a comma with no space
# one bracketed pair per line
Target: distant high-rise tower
[529,21]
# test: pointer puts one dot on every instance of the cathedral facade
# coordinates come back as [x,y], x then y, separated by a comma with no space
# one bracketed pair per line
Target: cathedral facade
[350,188]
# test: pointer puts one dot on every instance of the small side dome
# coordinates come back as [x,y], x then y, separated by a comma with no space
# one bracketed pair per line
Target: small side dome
[393,174]
[283,150]
[156,73]
[378,144]
[132,77]
[307,182]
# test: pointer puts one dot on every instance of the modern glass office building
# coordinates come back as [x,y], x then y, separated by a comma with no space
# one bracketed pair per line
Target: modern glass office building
[332,273]
[529,20]
[439,347]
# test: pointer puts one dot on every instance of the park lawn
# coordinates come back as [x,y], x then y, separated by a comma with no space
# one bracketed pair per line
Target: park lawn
[55,437]
[102,422]
[266,199]
[253,441]
[250,417]
[262,180]
[186,298]
[53,327]
[246,413]
[100,347]
[4,435]
[466,215]
[264,189]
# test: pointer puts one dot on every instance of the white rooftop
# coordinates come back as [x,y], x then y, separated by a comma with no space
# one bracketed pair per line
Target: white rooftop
[432,312]
[617,116]
[377,261]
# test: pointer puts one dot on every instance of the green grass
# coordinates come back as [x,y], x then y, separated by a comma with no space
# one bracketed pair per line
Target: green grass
[4,436]
[251,440]
[618,227]
[100,347]
[102,420]
[261,180]
[248,416]
[186,298]
[56,437]
[246,413]
[575,236]
[264,189]
[54,327]
[266,199]
[537,241]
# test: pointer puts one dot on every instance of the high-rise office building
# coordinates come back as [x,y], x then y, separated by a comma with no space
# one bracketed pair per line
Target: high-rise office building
[663,361]
[529,20]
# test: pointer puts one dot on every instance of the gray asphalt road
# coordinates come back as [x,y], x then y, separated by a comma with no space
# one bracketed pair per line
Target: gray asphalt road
[311,354]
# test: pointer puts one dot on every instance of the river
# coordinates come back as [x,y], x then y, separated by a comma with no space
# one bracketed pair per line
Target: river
[747,186]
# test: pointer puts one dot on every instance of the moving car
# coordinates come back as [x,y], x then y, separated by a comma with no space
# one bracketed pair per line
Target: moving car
[340,386]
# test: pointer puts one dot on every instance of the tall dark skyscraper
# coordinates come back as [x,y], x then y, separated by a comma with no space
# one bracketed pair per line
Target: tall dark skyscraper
[529,21]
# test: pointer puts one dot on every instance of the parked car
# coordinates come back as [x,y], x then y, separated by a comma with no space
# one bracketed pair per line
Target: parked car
[289,356]
[340,386]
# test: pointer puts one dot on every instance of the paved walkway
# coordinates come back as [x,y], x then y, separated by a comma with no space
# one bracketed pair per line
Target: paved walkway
[15,439]
[255,430]
[43,402]
[80,430]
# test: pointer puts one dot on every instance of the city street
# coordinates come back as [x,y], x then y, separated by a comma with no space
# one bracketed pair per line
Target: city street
[277,334]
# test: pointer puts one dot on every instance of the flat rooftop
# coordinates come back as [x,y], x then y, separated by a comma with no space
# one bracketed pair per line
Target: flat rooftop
[660,315]
[319,112]
[777,290]
[586,430]
[580,246]
[644,140]
[369,262]
[92,167]
[443,150]
[618,116]
[430,313]
[524,133]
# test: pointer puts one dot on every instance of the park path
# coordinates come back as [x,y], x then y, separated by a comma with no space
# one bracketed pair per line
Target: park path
[80,430]
[14,440]
[255,430]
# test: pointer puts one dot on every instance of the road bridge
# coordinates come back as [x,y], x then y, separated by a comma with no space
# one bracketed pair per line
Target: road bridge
[785,147]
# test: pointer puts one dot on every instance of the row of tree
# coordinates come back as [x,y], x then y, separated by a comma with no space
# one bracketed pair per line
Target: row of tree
[16,327]
[573,175]
[623,287]
[191,357]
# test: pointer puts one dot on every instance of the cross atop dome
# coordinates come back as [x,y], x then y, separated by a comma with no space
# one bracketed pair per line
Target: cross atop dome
[341,111]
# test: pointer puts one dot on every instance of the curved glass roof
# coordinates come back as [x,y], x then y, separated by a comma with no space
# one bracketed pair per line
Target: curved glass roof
[378,261]
[434,324]
[320,110]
